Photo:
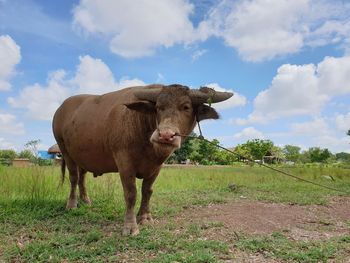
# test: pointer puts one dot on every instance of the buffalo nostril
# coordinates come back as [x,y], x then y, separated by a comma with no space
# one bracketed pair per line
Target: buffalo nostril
[166,135]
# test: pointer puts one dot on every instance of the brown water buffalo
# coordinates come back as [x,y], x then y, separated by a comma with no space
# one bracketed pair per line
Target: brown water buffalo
[130,131]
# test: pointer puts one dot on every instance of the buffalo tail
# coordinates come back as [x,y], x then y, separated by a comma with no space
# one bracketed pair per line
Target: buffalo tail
[63,170]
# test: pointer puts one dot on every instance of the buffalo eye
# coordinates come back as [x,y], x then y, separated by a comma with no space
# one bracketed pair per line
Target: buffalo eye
[185,107]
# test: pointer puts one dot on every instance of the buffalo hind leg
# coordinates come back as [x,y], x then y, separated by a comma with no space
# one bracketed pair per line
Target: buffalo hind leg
[144,214]
[129,186]
[82,187]
[73,177]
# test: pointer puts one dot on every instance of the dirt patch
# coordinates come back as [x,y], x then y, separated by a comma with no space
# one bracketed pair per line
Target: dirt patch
[257,218]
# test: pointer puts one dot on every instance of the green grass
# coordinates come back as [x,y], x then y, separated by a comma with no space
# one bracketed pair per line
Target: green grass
[35,227]
[279,246]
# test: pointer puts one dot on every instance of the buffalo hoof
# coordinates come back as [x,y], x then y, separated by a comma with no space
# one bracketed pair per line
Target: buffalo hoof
[146,219]
[86,200]
[72,204]
[130,229]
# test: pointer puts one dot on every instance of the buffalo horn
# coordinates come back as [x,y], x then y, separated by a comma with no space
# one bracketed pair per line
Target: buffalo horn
[208,95]
[150,93]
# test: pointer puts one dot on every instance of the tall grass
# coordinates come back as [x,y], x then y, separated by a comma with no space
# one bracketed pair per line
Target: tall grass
[37,183]
[35,227]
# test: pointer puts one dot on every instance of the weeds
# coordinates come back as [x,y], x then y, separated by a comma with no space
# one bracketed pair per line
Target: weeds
[35,227]
[279,246]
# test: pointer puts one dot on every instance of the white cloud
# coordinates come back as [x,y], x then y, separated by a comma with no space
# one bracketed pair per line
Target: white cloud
[333,143]
[334,77]
[136,28]
[92,76]
[319,132]
[10,56]
[333,32]
[248,134]
[329,23]
[301,90]
[302,136]
[235,101]
[9,124]
[258,29]
[343,122]
[198,53]
[42,101]
[264,29]
[4,144]
[317,126]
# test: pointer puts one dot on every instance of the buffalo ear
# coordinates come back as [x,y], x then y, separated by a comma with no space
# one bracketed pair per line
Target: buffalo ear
[142,106]
[205,112]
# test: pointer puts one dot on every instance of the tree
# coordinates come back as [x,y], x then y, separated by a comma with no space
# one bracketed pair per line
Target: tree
[8,154]
[305,157]
[292,153]
[225,158]
[242,152]
[278,154]
[343,157]
[205,152]
[27,154]
[208,151]
[318,155]
[32,146]
[259,148]
[348,133]
[182,154]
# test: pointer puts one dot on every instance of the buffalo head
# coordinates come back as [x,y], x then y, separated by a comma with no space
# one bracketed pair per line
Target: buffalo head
[177,108]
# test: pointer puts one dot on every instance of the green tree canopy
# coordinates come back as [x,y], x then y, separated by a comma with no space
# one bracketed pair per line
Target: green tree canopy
[202,152]
[258,148]
[278,154]
[26,154]
[343,157]
[292,152]
[205,152]
[8,154]
[318,155]
[225,158]
[242,152]
[184,153]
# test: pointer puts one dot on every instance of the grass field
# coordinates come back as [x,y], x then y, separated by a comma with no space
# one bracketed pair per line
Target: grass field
[35,227]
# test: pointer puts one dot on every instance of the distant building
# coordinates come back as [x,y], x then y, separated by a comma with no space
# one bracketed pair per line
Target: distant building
[21,162]
[55,151]
[45,155]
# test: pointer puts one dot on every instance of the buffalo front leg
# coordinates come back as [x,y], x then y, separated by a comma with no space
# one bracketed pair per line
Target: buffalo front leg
[129,186]
[82,187]
[144,214]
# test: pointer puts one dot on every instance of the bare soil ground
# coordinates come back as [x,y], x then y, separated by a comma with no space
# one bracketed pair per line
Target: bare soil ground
[254,217]
[247,217]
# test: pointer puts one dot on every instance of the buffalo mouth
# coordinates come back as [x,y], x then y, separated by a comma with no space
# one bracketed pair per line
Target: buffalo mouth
[173,141]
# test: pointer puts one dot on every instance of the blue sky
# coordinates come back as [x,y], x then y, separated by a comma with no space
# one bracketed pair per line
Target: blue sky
[288,63]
